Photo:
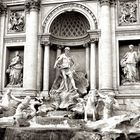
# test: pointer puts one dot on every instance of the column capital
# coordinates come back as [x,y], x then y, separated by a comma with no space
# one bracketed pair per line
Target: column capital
[105,2]
[45,39]
[94,33]
[94,40]
[60,46]
[46,43]
[3,8]
[86,45]
[113,3]
[32,5]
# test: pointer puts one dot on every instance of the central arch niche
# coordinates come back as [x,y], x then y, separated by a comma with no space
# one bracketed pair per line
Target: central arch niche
[69,29]
[70,25]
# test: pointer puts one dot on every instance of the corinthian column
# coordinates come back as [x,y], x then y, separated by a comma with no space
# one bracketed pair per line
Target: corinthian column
[2,28]
[105,52]
[46,68]
[87,59]
[93,65]
[30,51]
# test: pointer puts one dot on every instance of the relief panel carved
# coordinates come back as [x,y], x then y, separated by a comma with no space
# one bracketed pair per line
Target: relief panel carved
[16,21]
[127,12]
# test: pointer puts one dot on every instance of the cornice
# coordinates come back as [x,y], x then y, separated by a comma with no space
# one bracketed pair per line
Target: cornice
[15,39]
[126,32]
[70,42]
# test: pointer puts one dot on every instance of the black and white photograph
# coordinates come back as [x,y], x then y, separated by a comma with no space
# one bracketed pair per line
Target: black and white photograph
[69,69]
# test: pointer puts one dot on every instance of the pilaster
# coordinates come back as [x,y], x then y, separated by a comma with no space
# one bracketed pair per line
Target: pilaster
[87,50]
[3,9]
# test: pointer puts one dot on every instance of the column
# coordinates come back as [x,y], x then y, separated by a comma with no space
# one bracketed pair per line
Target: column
[114,44]
[106,52]
[46,69]
[2,31]
[87,60]
[93,80]
[30,53]
[59,47]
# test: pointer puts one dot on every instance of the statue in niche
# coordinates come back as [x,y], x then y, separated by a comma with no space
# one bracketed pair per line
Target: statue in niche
[69,84]
[129,66]
[16,21]
[128,13]
[15,71]
[64,62]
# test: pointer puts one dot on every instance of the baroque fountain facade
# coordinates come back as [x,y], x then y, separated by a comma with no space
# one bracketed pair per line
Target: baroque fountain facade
[69,69]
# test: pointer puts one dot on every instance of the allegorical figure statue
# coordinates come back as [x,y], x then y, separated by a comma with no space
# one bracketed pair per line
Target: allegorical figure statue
[15,70]
[26,110]
[64,62]
[129,65]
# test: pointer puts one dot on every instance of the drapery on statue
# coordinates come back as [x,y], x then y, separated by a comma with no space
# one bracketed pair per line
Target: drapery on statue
[129,66]
[64,62]
[15,70]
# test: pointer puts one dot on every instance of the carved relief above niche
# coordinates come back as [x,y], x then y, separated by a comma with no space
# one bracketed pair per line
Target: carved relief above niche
[16,21]
[127,12]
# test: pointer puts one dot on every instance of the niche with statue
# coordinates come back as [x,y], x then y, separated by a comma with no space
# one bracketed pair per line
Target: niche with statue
[14,67]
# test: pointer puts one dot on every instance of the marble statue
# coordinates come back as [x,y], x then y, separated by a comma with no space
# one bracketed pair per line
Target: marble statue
[5,101]
[129,65]
[26,110]
[109,104]
[21,116]
[69,84]
[15,71]
[64,62]
[90,107]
